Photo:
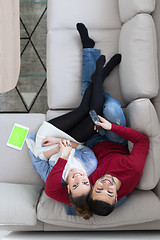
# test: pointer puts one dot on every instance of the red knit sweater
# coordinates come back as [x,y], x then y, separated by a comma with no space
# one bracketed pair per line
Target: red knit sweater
[113,158]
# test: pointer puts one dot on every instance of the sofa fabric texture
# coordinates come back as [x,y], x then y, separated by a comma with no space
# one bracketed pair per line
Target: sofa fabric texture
[141,115]
[139,66]
[65,14]
[63,37]
[128,9]
[18,204]
[16,165]
[132,212]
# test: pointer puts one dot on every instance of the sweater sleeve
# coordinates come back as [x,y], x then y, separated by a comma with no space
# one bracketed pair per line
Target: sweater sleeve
[140,141]
[40,166]
[54,188]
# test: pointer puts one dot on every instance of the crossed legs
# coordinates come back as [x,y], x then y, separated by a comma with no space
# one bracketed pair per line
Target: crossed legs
[77,123]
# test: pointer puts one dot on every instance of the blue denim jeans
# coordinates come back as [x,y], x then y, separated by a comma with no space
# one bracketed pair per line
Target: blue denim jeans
[90,56]
[112,110]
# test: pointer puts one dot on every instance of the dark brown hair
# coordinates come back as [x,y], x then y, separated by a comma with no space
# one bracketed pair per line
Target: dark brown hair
[101,208]
[80,205]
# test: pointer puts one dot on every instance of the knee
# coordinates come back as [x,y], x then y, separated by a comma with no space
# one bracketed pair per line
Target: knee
[113,112]
[111,107]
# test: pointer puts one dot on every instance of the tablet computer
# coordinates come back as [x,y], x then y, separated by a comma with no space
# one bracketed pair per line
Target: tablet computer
[17,136]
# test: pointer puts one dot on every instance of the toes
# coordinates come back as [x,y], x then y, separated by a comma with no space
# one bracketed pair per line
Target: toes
[116,58]
[100,62]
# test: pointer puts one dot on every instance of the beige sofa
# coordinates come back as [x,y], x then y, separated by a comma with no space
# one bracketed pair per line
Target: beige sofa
[128,27]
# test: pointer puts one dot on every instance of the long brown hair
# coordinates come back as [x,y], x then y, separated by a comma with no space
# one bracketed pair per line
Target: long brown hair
[80,205]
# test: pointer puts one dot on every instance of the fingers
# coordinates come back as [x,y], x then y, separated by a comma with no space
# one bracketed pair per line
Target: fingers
[45,142]
[101,123]
[102,119]
[65,149]
[66,143]
[95,128]
[98,123]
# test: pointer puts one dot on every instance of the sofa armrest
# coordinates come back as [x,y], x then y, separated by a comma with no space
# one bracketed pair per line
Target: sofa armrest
[128,9]
[139,67]
[141,115]
[156,190]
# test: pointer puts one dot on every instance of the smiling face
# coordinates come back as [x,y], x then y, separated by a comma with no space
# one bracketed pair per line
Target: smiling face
[105,189]
[78,183]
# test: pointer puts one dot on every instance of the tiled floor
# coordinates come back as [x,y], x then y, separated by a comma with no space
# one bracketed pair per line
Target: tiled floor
[85,236]
[30,95]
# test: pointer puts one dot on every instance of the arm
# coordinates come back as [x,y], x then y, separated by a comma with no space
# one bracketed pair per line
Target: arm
[52,140]
[47,141]
[51,152]
[140,140]
[40,166]
[88,158]
[54,188]
[128,133]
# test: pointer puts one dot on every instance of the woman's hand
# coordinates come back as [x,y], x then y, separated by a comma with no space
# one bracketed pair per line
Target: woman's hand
[104,123]
[65,149]
[48,141]
[51,152]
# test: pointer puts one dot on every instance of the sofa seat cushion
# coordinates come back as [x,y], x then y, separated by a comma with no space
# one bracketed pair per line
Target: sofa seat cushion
[64,70]
[133,211]
[18,204]
[16,166]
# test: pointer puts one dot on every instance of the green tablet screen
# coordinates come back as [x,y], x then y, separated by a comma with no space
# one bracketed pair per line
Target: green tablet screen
[18,136]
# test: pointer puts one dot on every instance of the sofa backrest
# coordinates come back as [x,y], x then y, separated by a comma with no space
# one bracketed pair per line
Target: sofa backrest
[128,9]
[156,17]
[116,26]
[139,66]
[64,50]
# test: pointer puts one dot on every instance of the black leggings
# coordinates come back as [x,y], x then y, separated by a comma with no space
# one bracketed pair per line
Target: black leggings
[78,123]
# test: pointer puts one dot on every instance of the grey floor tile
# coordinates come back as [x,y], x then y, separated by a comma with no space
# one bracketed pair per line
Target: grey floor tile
[117,235]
